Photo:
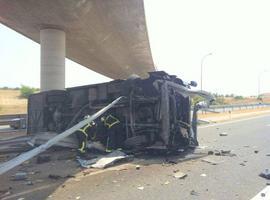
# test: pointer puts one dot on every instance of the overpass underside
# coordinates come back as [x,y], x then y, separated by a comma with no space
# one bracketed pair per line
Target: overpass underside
[107,36]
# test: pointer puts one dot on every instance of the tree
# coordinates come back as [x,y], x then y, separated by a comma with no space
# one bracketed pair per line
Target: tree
[26,91]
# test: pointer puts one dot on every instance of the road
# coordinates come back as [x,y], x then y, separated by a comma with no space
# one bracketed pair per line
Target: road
[229,179]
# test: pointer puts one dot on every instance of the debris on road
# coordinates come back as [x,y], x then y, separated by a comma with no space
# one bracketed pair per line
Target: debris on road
[203,175]
[265,174]
[211,161]
[222,153]
[242,164]
[104,161]
[223,134]
[167,183]
[138,167]
[78,197]
[19,176]
[180,175]
[256,151]
[192,192]
[140,188]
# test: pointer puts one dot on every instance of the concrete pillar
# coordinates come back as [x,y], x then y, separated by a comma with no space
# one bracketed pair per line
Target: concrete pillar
[52,59]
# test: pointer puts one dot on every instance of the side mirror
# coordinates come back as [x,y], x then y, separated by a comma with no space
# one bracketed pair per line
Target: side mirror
[193,83]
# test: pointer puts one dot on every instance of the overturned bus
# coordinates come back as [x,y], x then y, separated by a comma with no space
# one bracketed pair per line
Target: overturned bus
[155,113]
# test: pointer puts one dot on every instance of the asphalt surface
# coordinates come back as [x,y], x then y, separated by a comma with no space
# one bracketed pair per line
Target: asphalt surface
[232,178]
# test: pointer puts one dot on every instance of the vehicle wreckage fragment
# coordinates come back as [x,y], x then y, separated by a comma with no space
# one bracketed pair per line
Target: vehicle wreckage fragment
[155,114]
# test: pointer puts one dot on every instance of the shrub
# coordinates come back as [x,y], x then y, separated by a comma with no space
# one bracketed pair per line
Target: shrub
[238,97]
[26,91]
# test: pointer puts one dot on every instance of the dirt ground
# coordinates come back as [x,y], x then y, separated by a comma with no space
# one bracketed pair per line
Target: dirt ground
[11,103]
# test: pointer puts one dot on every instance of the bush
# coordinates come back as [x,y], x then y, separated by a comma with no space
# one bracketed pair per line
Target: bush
[238,97]
[26,91]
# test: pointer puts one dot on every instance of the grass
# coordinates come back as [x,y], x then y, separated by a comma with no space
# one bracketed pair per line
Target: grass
[11,102]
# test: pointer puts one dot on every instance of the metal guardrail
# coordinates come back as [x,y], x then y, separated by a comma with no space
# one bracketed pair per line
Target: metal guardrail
[228,108]
[16,121]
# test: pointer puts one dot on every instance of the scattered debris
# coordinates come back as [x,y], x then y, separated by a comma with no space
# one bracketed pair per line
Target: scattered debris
[247,146]
[176,170]
[180,175]
[138,167]
[140,188]
[223,134]
[211,161]
[242,164]
[166,183]
[256,151]
[104,161]
[223,153]
[43,159]
[268,154]
[265,174]
[192,192]
[203,175]
[19,176]
[210,152]
[78,197]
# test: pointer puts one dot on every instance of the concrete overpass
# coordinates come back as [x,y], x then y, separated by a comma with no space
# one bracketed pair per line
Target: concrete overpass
[107,36]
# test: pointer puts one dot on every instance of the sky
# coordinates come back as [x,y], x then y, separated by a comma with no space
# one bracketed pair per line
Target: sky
[181,33]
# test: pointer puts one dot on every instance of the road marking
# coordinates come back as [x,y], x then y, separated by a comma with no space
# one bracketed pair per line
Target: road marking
[231,122]
[263,195]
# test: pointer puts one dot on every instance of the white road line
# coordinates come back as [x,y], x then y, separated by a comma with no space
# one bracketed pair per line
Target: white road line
[233,121]
[263,195]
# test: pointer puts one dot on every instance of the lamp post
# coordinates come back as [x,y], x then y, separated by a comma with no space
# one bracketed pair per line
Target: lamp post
[202,61]
[259,81]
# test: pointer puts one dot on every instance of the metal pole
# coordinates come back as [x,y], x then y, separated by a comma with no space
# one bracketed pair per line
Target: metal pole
[202,60]
[259,81]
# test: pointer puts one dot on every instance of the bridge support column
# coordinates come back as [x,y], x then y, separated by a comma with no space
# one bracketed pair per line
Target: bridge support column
[52,59]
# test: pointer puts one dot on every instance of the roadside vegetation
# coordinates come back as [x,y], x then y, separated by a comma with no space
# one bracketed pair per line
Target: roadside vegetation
[26,91]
